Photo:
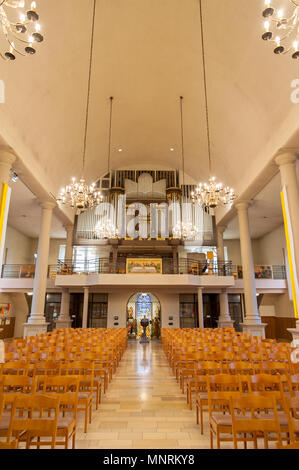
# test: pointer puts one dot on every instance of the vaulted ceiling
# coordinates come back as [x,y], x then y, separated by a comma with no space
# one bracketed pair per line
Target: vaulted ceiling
[146,54]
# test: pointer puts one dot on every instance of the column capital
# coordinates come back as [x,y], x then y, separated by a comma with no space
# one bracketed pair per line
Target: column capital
[68,228]
[221,228]
[286,157]
[243,205]
[7,155]
[46,204]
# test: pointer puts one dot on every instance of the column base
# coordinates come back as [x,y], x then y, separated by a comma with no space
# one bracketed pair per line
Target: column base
[34,329]
[254,329]
[63,323]
[225,323]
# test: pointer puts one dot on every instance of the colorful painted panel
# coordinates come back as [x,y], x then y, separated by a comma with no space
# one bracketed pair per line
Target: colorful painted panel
[144,266]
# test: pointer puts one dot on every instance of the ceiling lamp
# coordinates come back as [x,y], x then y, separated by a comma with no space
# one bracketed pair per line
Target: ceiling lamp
[79,194]
[282,28]
[107,227]
[212,194]
[185,226]
[186,231]
[20,27]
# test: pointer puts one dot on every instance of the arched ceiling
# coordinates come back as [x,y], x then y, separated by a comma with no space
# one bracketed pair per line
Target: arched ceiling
[147,53]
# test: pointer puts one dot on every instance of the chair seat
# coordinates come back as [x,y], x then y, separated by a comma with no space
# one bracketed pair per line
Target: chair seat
[221,419]
[83,395]
[202,396]
[64,422]
[4,423]
[282,417]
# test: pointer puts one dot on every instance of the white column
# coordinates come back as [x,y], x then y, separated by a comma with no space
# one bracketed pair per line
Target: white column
[85,307]
[7,158]
[220,249]
[252,323]
[220,243]
[36,322]
[286,160]
[200,308]
[225,320]
[69,242]
[64,320]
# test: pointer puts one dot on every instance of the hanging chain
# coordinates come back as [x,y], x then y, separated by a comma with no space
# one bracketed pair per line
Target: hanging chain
[182,138]
[205,87]
[110,134]
[89,86]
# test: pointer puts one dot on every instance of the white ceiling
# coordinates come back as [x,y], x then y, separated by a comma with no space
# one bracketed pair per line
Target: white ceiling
[265,213]
[147,53]
[25,213]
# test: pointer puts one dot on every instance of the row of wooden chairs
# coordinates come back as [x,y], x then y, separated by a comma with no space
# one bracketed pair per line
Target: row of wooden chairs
[249,392]
[74,371]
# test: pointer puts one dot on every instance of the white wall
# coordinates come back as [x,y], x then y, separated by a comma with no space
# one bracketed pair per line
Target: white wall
[18,248]
[53,250]
[18,309]
[271,247]
[233,251]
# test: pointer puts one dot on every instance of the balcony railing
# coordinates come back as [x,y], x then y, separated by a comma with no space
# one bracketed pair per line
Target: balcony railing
[105,266]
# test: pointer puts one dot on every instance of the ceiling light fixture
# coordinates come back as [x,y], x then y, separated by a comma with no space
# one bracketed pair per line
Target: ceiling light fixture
[13,176]
[282,28]
[20,27]
[79,194]
[212,194]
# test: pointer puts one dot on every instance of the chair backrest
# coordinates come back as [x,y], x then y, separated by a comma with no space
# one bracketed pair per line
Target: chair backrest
[247,418]
[17,384]
[36,425]
[15,368]
[223,383]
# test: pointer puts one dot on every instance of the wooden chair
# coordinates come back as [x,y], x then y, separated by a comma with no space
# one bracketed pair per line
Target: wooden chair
[14,385]
[85,371]
[249,419]
[34,425]
[291,406]
[15,368]
[220,420]
[67,389]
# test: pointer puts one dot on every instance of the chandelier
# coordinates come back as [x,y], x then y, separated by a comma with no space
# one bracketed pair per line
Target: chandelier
[106,229]
[186,231]
[79,194]
[212,194]
[282,28]
[186,227]
[21,30]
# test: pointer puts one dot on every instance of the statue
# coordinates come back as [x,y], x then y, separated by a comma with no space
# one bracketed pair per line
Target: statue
[144,323]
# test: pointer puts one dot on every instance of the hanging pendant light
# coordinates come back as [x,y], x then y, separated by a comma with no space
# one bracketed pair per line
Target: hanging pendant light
[212,194]
[185,228]
[79,194]
[106,227]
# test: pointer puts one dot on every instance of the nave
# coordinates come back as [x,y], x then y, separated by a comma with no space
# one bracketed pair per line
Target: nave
[143,408]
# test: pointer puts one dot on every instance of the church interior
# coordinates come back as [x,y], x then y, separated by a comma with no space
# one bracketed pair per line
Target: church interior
[149,229]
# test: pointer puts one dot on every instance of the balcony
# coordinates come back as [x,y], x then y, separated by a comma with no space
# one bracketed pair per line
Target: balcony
[105,266]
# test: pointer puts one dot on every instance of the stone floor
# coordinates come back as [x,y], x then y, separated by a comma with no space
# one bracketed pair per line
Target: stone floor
[143,408]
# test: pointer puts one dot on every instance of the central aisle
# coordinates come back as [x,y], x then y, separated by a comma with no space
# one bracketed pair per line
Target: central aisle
[143,407]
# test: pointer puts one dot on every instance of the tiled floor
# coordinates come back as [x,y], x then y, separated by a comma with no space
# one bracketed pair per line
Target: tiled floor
[143,407]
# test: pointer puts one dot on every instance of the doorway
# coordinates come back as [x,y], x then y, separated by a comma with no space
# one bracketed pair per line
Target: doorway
[140,305]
